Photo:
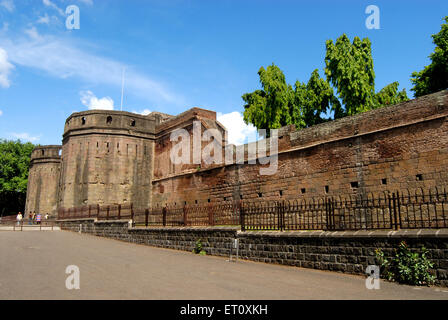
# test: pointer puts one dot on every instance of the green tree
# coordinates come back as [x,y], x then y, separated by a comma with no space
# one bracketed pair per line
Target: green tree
[434,77]
[269,107]
[319,99]
[14,166]
[349,68]
[390,95]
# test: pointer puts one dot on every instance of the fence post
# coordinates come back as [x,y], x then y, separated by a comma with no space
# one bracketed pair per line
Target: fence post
[211,219]
[281,215]
[146,217]
[164,216]
[395,211]
[242,218]
[132,215]
[185,215]
[331,214]
[119,212]
[399,211]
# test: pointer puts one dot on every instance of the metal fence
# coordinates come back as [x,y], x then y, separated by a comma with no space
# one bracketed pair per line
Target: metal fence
[397,210]
[225,214]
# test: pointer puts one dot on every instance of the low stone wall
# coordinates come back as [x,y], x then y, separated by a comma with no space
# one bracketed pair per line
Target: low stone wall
[349,252]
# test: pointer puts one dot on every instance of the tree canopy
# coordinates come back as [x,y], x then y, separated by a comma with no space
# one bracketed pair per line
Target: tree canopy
[348,69]
[14,166]
[434,77]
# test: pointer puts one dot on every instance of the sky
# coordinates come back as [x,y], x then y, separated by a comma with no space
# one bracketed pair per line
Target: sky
[177,54]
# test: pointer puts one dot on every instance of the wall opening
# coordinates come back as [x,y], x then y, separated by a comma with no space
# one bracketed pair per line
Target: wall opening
[109,120]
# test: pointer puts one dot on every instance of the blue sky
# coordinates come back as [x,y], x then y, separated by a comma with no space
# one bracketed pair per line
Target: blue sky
[180,54]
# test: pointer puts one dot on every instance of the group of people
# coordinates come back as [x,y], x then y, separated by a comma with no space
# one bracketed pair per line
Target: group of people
[33,218]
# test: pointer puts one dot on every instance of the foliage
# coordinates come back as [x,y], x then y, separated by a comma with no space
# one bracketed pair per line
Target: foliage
[434,77]
[407,267]
[389,95]
[198,249]
[349,67]
[269,107]
[14,166]
[314,99]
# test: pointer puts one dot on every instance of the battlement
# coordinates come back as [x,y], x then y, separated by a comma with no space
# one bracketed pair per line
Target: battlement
[108,121]
[42,154]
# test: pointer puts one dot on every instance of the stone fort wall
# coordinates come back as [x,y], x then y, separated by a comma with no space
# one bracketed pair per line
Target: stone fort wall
[43,181]
[112,157]
[399,147]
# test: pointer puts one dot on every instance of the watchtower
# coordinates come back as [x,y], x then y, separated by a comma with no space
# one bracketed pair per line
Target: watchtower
[107,158]
[43,180]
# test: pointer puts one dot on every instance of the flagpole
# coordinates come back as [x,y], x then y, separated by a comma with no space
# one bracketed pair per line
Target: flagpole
[122,88]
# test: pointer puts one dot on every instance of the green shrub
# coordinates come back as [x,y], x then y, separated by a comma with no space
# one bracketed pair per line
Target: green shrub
[198,249]
[407,267]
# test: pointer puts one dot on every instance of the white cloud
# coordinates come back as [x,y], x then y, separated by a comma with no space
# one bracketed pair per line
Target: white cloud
[25,136]
[44,20]
[144,112]
[92,102]
[32,33]
[5,69]
[65,59]
[238,132]
[1,113]
[50,4]
[8,5]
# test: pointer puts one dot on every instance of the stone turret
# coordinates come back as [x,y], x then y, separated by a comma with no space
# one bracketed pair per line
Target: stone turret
[43,180]
[107,158]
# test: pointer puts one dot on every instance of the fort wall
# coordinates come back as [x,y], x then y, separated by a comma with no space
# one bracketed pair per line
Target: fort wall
[43,180]
[399,147]
[107,158]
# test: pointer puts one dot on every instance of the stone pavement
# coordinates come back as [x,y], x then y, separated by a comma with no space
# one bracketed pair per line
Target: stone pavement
[33,266]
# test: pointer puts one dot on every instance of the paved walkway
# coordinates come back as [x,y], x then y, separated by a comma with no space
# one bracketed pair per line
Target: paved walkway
[33,266]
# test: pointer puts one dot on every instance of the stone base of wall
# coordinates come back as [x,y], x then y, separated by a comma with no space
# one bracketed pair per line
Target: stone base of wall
[349,252]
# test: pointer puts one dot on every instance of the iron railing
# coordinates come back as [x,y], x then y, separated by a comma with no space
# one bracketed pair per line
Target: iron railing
[397,210]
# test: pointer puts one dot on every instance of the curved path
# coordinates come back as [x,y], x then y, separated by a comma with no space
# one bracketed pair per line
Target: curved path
[33,264]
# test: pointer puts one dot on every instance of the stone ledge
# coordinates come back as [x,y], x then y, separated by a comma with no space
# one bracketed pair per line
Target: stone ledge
[177,229]
[417,233]
[77,220]
[111,221]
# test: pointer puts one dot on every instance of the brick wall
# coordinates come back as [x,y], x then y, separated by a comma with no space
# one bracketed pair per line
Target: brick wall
[393,148]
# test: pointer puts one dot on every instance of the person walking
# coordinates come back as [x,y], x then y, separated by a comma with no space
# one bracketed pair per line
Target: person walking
[30,218]
[38,218]
[19,218]
[34,217]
